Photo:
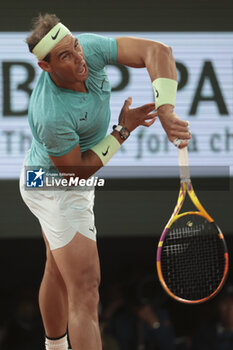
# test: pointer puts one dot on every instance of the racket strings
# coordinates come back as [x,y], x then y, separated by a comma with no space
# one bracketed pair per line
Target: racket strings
[192,258]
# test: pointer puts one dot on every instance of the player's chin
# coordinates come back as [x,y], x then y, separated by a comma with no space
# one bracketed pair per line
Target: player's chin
[83,75]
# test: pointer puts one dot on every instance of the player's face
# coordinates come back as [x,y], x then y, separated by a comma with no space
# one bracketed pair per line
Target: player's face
[67,61]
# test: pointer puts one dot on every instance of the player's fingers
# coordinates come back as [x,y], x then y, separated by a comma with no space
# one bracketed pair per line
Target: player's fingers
[178,128]
[183,123]
[149,107]
[151,115]
[149,123]
[127,103]
[184,143]
[180,143]
[182,135]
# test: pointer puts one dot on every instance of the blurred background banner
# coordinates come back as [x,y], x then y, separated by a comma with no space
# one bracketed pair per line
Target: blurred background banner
[205,75]
[205,91]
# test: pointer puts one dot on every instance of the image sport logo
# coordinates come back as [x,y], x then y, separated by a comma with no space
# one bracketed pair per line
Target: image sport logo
[35,178]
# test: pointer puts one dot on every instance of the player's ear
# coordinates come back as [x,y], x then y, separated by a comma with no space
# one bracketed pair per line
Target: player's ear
[45,66]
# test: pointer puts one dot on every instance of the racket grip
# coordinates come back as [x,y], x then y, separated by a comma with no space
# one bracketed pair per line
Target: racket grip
[184,163]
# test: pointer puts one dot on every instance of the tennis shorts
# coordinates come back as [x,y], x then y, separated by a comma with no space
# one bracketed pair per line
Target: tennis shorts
[61,213]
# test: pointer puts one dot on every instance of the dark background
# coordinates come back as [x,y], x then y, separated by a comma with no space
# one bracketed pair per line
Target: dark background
[129,222]
[122,15]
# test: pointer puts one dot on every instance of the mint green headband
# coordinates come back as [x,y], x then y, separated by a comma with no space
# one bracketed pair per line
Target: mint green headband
[51,39]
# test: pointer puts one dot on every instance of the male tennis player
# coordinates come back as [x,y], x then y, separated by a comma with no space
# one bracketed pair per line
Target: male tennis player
[69,116]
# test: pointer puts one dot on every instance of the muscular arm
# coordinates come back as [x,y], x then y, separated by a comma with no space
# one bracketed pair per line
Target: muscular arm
[81,164]
[155,56]
[160,63]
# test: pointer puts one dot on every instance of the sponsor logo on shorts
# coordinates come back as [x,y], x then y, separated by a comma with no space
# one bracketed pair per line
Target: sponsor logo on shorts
[35,178]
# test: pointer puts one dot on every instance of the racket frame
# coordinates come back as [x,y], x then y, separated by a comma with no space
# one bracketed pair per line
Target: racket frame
[186,187]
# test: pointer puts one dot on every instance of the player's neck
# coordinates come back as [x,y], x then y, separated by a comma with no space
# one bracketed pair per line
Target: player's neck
[78,86]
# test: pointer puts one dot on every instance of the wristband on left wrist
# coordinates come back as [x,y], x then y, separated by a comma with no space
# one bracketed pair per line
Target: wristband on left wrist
[165,91]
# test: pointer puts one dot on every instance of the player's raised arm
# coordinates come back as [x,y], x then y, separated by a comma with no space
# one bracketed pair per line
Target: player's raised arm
[160,63]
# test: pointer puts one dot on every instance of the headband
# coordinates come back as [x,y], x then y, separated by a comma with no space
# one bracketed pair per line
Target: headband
[51,39]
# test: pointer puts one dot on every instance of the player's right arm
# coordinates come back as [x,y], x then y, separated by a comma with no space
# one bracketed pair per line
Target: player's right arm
[86,164]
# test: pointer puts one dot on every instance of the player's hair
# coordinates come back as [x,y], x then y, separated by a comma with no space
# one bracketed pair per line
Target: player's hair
[41,25]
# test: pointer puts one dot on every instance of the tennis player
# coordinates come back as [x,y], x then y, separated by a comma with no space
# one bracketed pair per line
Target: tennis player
[69,116]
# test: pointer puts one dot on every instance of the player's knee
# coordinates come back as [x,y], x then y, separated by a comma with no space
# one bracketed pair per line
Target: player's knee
[85,296]
[92,296]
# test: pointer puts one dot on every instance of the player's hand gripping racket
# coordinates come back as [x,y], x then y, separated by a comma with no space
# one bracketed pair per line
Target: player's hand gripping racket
[192,257]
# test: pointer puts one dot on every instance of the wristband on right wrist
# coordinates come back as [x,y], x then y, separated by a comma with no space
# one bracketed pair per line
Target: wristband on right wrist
[106,148]
[165,91]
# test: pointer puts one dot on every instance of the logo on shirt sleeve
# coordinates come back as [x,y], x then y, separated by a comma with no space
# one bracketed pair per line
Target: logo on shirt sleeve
[102,84]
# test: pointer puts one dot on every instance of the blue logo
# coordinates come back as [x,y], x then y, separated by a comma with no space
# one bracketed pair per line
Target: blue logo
[35,178]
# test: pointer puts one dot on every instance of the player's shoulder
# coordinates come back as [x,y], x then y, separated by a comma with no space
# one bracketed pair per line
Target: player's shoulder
[94,43]
[90,38]
[98,50]
[44,92]
[44,87]
[46,104]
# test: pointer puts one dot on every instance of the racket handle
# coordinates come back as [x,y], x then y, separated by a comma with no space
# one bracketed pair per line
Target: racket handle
[184,163]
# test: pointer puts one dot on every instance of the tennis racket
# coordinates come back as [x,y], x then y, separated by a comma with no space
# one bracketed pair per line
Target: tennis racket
[192,257]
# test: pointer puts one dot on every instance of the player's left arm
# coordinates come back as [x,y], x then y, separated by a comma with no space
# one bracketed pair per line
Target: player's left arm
[160,63]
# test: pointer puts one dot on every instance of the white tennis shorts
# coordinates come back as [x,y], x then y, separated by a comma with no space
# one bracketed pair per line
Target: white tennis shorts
[61,213]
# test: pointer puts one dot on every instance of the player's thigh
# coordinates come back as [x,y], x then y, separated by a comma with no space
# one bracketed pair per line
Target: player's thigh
[50,266]
[78,263]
